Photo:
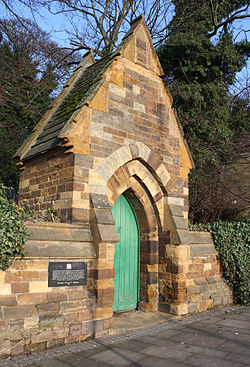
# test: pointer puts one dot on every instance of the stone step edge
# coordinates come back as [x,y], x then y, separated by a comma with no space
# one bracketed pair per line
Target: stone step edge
[57,224]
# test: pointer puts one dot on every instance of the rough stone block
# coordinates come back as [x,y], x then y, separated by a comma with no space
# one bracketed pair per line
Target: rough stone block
[99,201]
[92,327]
[8,301]
[193,307]
[41,336]
[10,277]
[202,249]
[204,305]
[175,201]
[180,236]
[48,308]
[51,321]
[104,273]
[85,315]
[56,296]
[37,347]
[39,287]
[30,323]
[174,222]
[75,329]
[32,298]
[103,313]
[79,293]
[179,309]
[60,331]
[201,237]
[108,233]
[21,287]
[104,216]
[55,343]
[180,223]
[19,311]
[5,349]
[60,248]
[17,349]
[75,305]
[58,232]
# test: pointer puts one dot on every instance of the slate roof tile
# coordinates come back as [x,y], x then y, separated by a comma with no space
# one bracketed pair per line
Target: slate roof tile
[79,95]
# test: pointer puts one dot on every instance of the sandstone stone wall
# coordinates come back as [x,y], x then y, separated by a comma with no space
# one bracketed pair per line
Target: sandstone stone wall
[57,181]
[189,274]
[131,106]
[34,316]
[45,183]
[125,140]
[206,287]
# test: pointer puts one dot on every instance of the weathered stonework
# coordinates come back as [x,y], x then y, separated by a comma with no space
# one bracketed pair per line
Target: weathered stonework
[34,316]
[124,139]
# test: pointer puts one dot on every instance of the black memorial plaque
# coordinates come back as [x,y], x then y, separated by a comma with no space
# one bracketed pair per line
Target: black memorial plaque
[63,274]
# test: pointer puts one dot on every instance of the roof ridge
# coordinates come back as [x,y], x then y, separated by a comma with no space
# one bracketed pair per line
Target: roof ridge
[82,86]
[140,17]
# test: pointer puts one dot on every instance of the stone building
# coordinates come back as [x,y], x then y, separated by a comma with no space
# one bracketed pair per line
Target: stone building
[110,158]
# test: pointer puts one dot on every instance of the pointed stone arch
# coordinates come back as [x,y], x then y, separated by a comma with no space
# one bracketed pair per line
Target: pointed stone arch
[135,180]
[135,151]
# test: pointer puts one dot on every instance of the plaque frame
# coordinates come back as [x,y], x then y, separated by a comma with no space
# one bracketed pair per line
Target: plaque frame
[67,268]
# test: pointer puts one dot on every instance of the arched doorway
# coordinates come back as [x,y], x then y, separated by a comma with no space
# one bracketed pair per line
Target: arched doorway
[127,253]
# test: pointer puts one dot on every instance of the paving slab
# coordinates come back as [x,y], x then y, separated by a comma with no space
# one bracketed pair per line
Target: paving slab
[165,334]
[238,357]
[155,341]
[135,344]
[166,352]
[117,357]
[79,359]
[205,351]
[234,335]
[158,362]
[203,340]
[237,347]
[199,360]
[237,324]
[51,362]
[218,338]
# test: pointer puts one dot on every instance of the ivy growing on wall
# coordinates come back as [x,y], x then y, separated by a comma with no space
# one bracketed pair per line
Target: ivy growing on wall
[13,233]
[231,240]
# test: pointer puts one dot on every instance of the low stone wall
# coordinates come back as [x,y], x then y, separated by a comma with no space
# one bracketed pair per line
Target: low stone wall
[34,316]
[189,273]
[206,287]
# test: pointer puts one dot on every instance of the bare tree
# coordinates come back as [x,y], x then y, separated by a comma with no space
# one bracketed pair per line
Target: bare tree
[100,24]
[216,7]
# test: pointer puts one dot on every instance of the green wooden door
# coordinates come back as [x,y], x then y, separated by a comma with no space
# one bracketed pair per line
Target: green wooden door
[126,262]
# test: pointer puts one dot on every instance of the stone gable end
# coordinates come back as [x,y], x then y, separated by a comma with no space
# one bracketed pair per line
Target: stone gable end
[111,132]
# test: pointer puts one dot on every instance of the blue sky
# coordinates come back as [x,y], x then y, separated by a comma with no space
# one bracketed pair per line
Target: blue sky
[55,25]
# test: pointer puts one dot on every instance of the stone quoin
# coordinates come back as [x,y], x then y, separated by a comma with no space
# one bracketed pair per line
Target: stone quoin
[110,137]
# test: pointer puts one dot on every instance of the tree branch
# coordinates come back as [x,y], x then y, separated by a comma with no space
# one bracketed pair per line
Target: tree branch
[236,16]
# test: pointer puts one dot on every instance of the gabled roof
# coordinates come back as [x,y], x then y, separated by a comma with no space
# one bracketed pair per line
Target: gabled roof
[78,91]
[82,86]
[79,94]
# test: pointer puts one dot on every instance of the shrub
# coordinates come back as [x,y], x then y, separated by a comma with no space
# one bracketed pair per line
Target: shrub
[231,240]
[13,233]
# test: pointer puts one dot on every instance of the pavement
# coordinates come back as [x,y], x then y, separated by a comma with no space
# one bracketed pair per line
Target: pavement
[217,338]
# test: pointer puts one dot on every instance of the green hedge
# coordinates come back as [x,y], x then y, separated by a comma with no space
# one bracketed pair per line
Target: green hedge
[13,233]
[231,240]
